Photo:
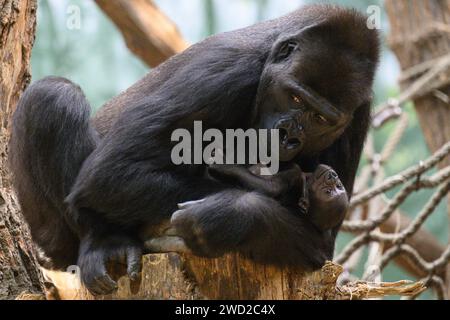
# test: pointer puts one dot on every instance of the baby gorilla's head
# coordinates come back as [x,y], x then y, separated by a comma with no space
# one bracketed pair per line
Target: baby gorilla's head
[328,200]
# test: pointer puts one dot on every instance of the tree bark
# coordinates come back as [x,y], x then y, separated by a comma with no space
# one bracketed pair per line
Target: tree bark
[19,271]
[420,32]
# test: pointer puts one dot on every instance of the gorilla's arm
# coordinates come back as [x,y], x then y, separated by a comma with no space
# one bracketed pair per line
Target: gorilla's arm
[275,186]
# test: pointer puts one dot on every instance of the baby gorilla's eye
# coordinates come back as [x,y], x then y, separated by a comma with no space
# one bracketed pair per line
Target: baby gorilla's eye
[320,119]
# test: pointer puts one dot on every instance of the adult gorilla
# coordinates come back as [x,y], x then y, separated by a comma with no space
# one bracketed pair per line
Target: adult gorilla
[90,199]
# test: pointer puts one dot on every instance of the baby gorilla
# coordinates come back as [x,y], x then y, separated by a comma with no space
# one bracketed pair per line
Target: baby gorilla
[328,200]
[320,195]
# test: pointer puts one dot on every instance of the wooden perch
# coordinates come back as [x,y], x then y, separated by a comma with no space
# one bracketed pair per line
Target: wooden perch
[147,31]
[174,276]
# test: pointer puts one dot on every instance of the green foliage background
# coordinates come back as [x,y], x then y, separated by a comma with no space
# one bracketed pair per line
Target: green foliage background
[95,57]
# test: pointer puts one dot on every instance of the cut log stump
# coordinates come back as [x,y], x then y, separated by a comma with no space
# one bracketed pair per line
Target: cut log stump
[175,276]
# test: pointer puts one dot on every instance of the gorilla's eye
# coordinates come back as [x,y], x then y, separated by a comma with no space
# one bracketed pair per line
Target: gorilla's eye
[321,119]
[286,49]
[297,99]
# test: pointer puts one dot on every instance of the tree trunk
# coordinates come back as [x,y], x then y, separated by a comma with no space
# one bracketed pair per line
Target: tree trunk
[420,32]
[19,272]
[176,276]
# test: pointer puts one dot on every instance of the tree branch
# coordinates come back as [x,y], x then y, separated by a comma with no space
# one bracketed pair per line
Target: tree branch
[148,33]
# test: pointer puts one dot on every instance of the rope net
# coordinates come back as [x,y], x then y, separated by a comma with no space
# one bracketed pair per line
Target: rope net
[379,226]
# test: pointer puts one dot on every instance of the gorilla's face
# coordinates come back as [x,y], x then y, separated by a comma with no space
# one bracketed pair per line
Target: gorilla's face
[325,185]
[309,90]
[303,130]
[328,198]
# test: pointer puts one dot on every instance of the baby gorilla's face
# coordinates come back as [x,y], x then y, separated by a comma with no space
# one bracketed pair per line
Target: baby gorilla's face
[328,198]
[325,184]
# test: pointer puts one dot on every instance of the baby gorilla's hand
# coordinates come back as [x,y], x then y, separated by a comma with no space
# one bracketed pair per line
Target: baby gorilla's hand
[96,253]
[327,198]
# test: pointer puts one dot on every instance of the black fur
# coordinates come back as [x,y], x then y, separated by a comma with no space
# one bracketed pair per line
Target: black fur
[51,137]
[127,180]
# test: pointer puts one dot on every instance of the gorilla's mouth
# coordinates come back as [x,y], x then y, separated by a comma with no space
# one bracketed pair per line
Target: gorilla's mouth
[287,142]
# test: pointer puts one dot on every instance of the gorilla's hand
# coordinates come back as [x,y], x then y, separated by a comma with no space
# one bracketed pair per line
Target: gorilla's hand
[274,186]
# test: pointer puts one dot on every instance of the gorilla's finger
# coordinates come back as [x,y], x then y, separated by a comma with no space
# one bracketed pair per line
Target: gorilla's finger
[95,276]
[187,204]
[172,231]
[167,244]
[106,284]
[176,217]
[100,285]
[134,261]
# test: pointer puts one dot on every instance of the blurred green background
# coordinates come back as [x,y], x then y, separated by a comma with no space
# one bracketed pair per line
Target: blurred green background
[95,57]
